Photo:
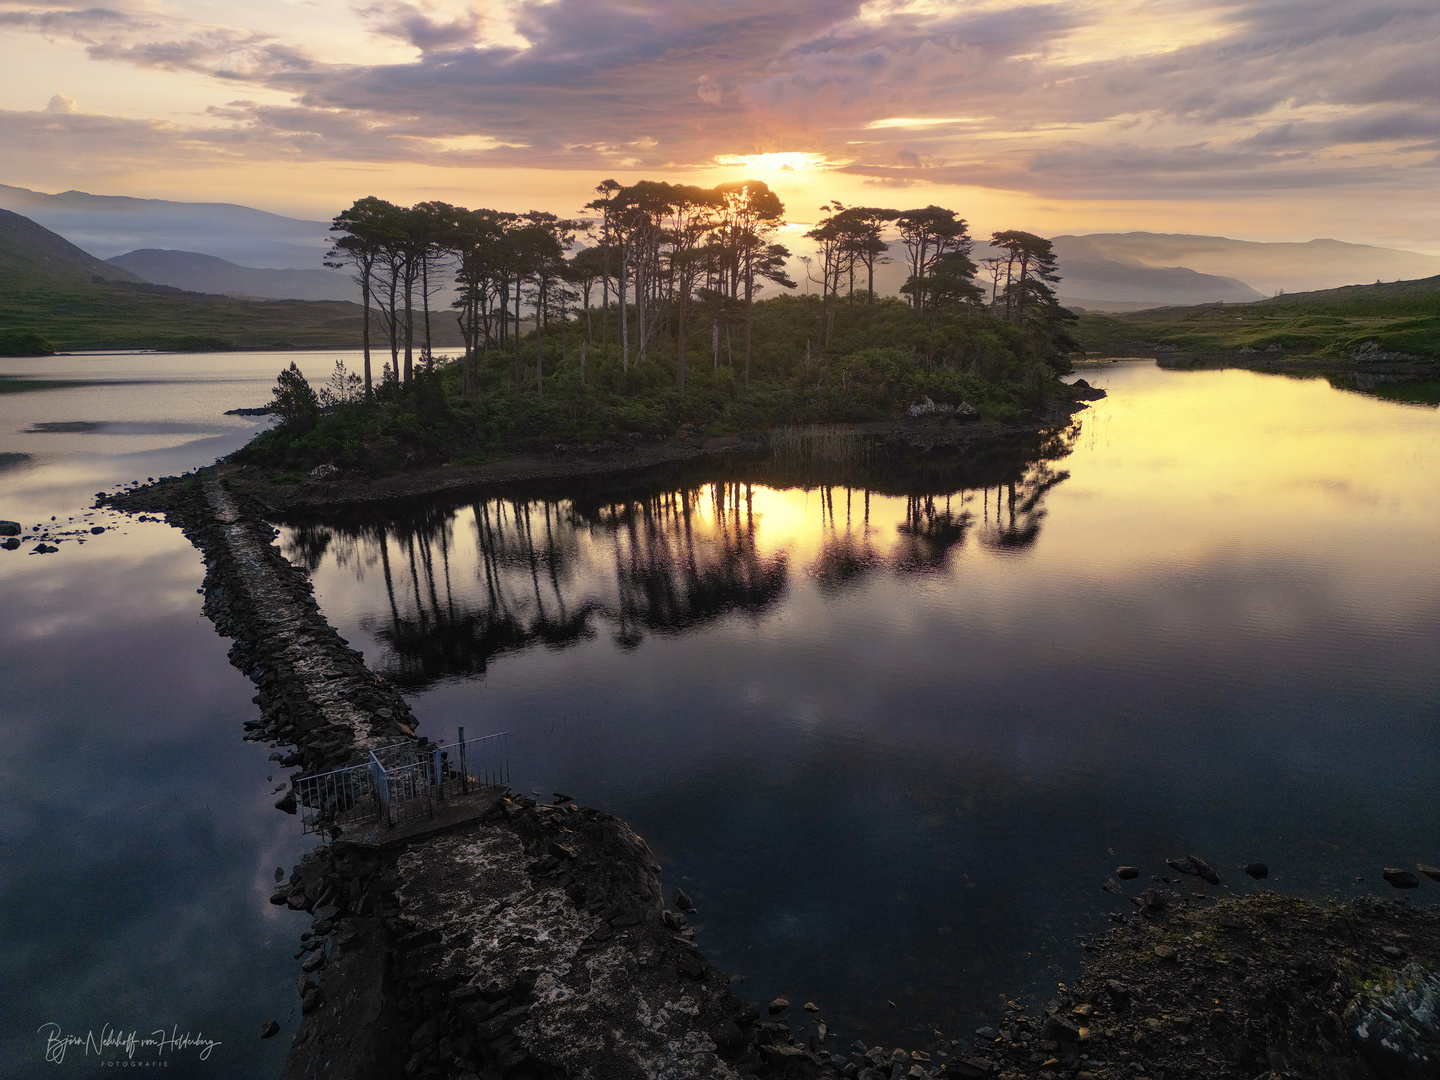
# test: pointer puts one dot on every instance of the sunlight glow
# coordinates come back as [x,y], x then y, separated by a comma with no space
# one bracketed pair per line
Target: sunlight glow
[921,122]
[778,162]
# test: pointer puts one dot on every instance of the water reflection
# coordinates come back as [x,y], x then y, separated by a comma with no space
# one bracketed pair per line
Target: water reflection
[1212,627]
[467,585]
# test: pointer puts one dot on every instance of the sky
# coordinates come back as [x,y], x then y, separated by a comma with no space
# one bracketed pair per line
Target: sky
[1258,119]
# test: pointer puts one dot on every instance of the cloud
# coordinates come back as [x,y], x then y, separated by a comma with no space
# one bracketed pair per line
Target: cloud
[1070,97]
[59,103]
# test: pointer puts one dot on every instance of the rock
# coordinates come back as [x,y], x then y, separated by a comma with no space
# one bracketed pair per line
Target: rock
[1118,991]
[810,1007]
[287,803]
[1401,879]
[1182,866]
[1057,1030]
[1402,1019]
[10,528]
[728,1036]
[279,897]
[96,530]
[987,1032]
[1204,869]
[681,901]
[1257,870]
[270,1030]
[1111,886]
[969,1067]
[1432,872]
[778,1006]
[11,544]
[1127,873]
[560,797]
[314,962]
[1166,954]
[321,473]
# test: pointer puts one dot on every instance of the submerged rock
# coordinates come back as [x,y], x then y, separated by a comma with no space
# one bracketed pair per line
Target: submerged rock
[1127,873]
[1257,870]
[1401,879]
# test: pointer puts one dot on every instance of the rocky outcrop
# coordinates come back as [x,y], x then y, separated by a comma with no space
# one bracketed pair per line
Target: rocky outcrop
[315,693]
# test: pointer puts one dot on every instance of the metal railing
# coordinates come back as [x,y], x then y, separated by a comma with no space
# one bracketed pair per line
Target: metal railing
[401,782]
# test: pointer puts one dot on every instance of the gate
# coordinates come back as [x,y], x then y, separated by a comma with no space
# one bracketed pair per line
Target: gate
[401,782]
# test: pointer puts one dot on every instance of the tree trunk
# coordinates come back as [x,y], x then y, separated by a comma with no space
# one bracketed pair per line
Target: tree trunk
[624,308]
[409,326]
[749,319]
[425,289]
[365,327]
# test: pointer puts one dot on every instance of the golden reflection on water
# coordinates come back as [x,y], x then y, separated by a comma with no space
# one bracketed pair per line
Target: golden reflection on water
[1174,474]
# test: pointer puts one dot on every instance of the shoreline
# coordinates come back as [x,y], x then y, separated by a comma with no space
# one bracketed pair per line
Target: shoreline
[343,491]
[1393,366]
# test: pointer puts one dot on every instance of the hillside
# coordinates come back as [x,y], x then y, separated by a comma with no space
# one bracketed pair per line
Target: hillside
[49,295]
[1395,322]
[28,250]
[1267,267]
[195,272]
[1097,284]
[110,225]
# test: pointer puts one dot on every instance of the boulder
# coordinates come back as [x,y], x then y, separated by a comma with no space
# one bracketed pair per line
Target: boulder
[10,528]
[1401,879]
[1400,1019]
[1127,873]
[1257,870]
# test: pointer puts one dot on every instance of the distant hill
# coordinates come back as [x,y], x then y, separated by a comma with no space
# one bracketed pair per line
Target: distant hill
[27,250]
[1100,284]
[194,272]
[110,225]
[1317,264]
[50,297]
[1362,324]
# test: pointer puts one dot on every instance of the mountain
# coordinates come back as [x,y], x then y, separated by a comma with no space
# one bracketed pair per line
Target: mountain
[29,251]
[194,272]
[109,225]
[1105,285]
[53,295]
[1270,268]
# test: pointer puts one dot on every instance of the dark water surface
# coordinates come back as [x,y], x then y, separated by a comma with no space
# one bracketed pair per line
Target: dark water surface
[892,745]
[137,835]
[891,758]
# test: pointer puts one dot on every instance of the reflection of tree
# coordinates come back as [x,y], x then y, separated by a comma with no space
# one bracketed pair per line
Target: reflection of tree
[537,578]
[670,577]
[545,572]
[1018,510]
[930,531]
[845,557]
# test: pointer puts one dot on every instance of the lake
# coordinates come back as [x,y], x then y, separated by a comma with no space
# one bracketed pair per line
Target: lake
[891,736]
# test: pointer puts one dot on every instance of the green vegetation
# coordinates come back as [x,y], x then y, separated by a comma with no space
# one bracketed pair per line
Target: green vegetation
[997,367]
[678,343]
[24,343]
[55,296]
[1359,322]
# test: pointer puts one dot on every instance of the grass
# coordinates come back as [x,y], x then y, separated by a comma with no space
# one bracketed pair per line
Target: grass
[879,359]
[65,315]
[1396,320]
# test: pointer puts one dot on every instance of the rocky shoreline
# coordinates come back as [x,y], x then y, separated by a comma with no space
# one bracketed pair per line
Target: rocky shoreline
[329,489]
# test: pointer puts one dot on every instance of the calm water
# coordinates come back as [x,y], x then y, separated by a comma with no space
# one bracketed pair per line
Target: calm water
[137,838]
[891,746]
